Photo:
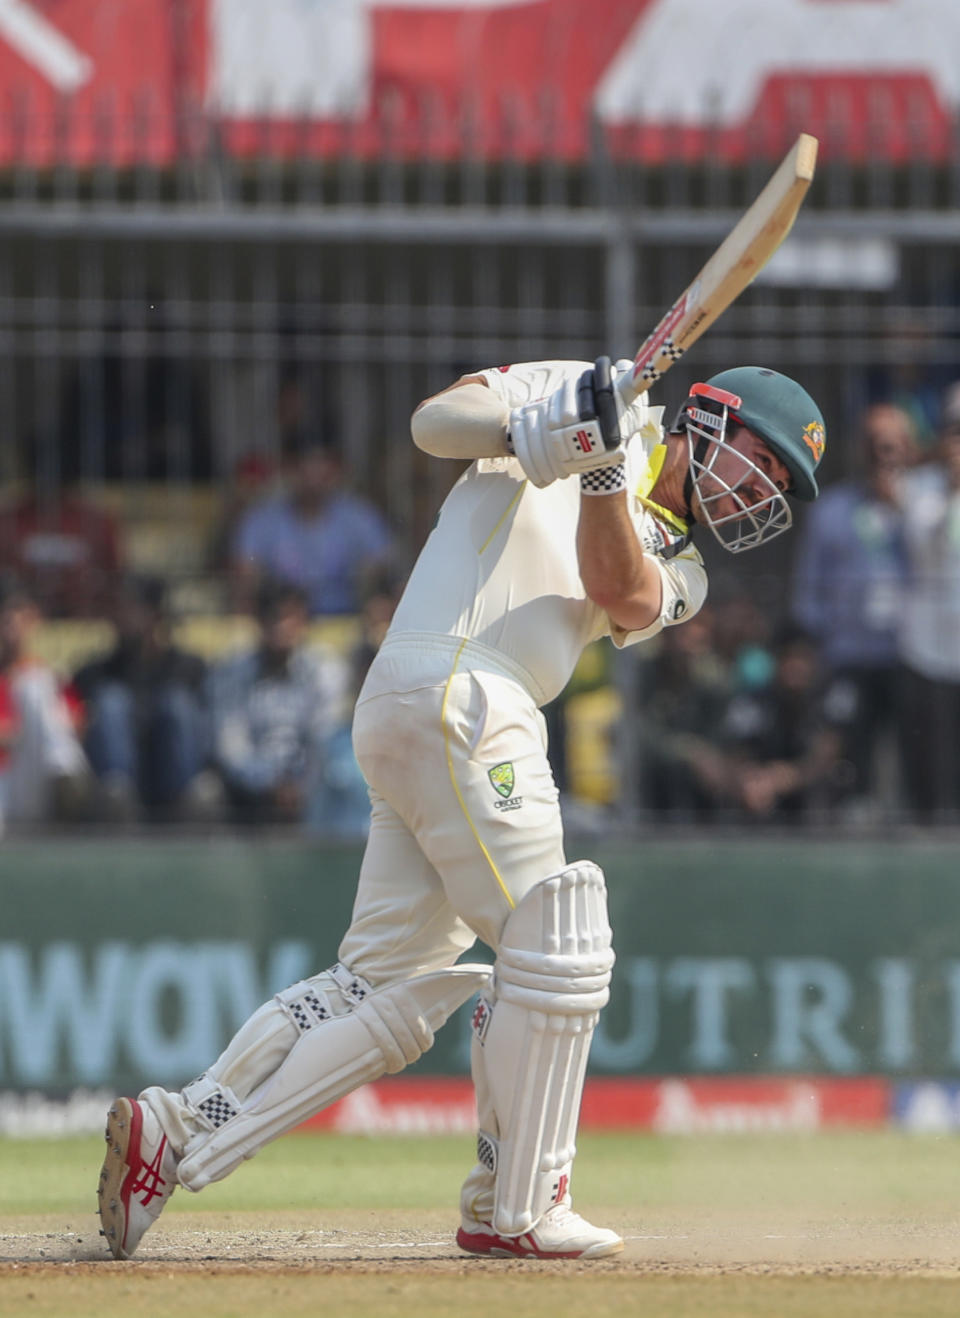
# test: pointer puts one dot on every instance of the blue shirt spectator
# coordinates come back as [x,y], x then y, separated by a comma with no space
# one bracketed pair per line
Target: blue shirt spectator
[851,564]
[850,576]
[316,535]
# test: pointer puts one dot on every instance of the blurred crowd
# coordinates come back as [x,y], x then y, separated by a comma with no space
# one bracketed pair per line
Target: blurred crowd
[147,731]
[844,705]
[841,705]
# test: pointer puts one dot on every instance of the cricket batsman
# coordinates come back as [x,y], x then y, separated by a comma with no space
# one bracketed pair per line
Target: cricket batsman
[574,520]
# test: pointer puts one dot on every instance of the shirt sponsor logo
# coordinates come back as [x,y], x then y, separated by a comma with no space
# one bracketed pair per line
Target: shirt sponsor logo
[659,539]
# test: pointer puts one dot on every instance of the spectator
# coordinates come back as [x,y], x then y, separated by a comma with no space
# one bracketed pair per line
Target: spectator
[849,577]
[145,715]
[379,604]
[64,549]
[251,478]
[685,690]
[316,534]
[340,807]
[777,753]
[910,377]
[43,773]
[930,629]
[274,712]
[742,631]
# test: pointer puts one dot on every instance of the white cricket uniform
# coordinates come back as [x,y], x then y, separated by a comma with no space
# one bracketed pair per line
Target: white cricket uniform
[447,727]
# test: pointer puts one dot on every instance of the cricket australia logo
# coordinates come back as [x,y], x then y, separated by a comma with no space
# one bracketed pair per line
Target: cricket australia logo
[503,779]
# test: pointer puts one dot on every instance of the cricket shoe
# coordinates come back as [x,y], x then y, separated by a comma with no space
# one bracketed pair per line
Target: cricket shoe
[139,1175]
[560,1234]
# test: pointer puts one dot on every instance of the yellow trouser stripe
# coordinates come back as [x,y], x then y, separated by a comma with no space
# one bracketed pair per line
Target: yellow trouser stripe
[453,779]
[506,513]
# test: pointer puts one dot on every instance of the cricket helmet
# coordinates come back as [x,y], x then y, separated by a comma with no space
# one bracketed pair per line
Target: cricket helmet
[785,417]
[741,504]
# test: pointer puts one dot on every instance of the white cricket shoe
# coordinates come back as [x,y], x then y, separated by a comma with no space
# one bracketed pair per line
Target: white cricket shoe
[139,1175]
[560,1234]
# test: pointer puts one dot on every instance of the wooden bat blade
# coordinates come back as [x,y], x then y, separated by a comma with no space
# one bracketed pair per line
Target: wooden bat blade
[736,262]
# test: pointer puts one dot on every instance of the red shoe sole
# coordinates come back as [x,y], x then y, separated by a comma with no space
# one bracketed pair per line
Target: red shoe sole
[509,1246]
[124,1124]
[133,1162]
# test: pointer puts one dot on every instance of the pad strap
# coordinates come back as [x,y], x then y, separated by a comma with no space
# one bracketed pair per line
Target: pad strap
[389,1027]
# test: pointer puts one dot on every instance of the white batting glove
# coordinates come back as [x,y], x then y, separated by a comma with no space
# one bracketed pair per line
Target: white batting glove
[583,425]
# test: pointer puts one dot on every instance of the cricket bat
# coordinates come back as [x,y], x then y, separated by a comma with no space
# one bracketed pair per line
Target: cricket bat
[739,258]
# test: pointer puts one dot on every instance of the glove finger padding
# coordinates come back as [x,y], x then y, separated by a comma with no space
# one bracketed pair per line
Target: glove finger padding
[579,427]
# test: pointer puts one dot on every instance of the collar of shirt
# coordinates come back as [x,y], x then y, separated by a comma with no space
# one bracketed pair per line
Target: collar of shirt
[648,479]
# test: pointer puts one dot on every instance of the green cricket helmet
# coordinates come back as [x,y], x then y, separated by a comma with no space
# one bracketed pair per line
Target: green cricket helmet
[785,417]
[736,499]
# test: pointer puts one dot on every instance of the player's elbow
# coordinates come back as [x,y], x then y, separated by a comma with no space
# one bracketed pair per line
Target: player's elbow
[632,605]
[466,421]
[422,429]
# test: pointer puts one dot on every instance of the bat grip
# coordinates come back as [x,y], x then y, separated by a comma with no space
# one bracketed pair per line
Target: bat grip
[628,388]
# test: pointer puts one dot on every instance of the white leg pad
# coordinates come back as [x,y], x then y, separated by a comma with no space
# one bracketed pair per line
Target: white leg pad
[383,1031]
[552,978]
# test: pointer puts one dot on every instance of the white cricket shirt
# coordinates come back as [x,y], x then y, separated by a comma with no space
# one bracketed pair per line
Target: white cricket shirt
[500,567]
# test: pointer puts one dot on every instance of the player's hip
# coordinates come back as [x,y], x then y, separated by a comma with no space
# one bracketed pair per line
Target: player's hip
[474,745]
[407,661]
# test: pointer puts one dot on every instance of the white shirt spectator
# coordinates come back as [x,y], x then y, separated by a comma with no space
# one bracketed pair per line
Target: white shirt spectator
[45,746]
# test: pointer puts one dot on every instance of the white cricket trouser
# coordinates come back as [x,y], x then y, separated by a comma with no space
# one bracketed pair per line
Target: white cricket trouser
[452,847]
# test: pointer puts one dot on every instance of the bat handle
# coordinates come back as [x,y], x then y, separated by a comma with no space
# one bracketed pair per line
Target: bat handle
[629,387]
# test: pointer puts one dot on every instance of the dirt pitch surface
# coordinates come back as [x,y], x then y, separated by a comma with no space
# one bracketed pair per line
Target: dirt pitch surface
[864,1226]
[220,1267]
[706,1245]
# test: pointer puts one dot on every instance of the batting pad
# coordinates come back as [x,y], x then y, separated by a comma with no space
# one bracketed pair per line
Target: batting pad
[386,1030]
[552,978]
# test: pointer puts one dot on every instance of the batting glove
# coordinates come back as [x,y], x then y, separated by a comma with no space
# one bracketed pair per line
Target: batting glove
[583,425]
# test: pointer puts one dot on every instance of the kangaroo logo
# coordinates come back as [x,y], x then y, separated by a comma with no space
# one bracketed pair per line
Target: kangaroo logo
[815,439]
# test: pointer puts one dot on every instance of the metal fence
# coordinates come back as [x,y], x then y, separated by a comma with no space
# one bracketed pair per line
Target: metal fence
[147,341]
[151,318]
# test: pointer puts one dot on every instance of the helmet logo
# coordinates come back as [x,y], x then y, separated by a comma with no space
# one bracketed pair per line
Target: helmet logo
[815,439]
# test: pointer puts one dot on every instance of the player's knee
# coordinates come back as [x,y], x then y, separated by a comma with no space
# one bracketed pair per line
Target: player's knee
[389,1012]
[556,952]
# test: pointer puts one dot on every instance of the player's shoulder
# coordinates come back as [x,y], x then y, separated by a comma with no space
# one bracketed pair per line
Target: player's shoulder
[682,565]
[567,365]
[525,382]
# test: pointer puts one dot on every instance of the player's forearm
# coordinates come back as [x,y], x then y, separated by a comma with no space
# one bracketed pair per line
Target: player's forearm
[466,421]
[615,572]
